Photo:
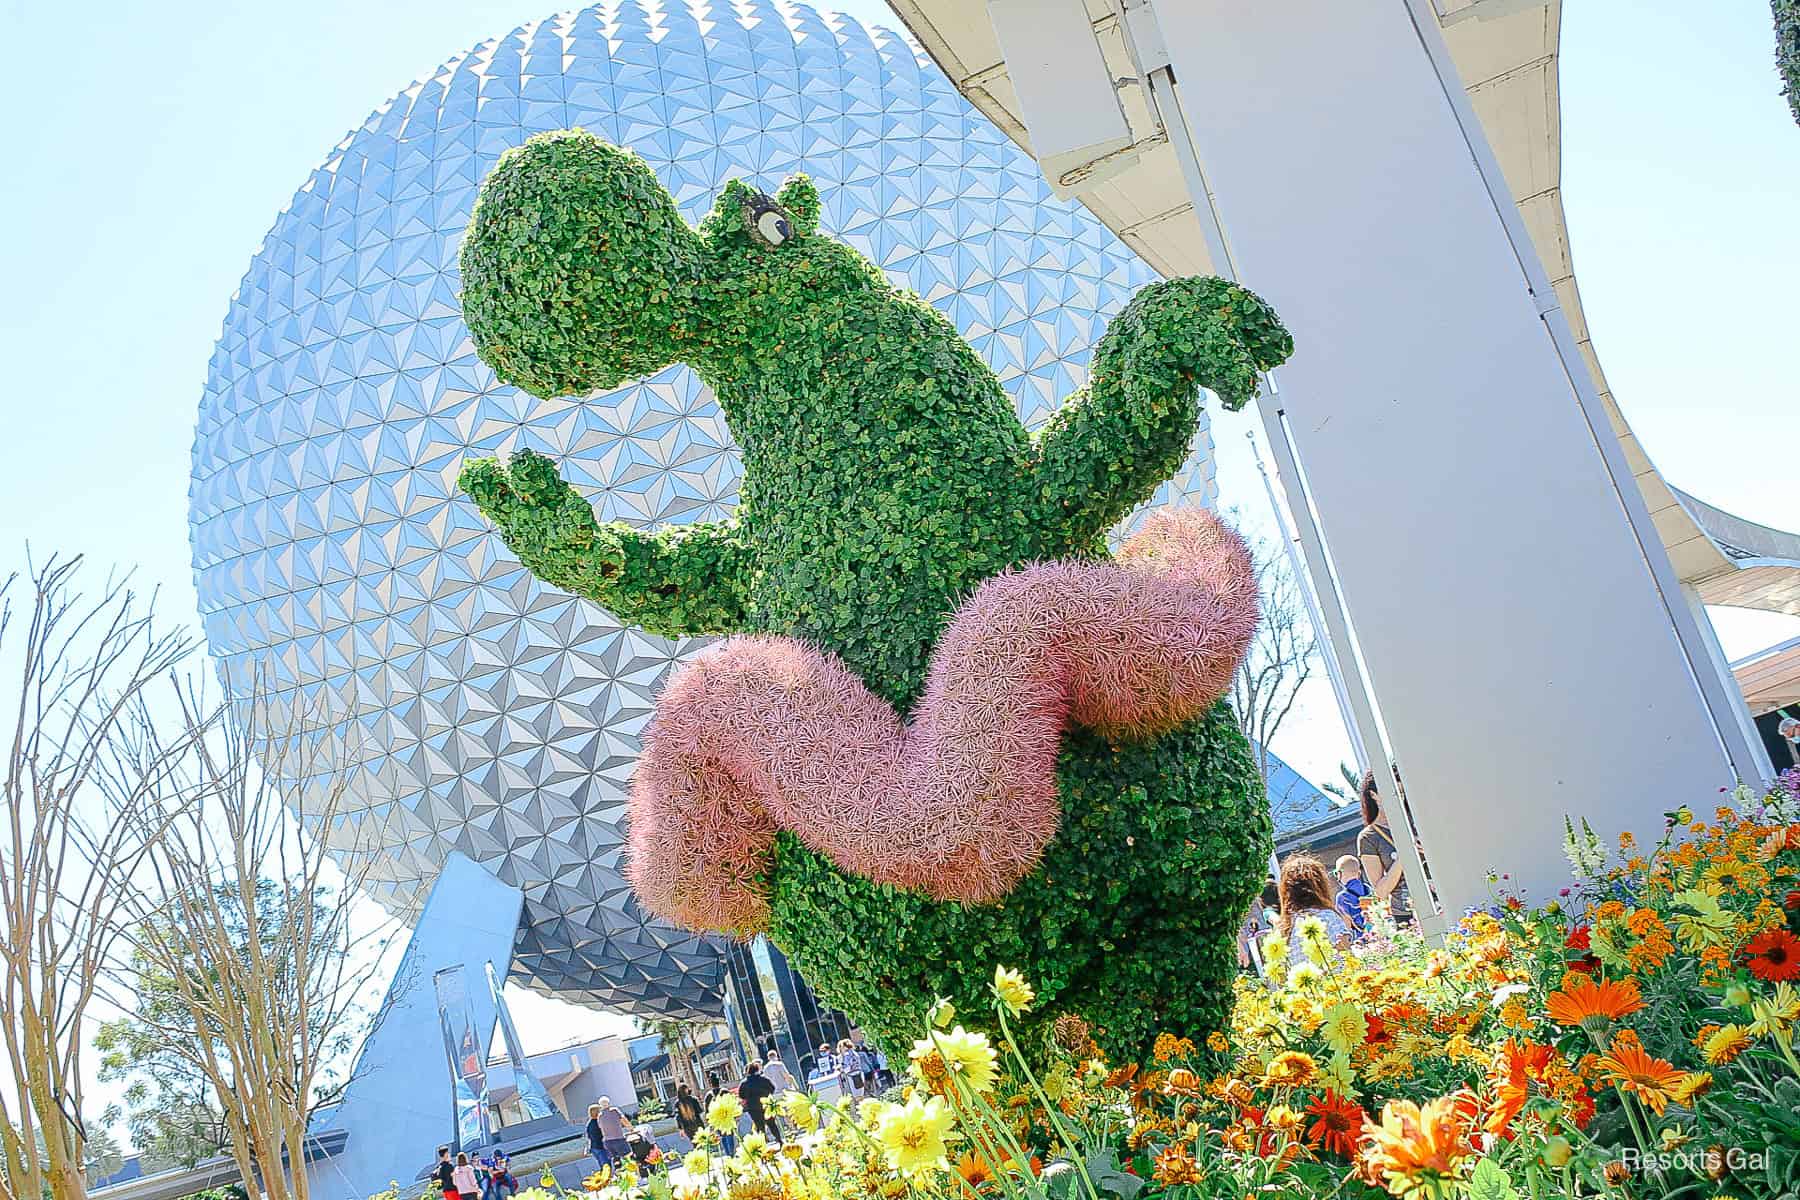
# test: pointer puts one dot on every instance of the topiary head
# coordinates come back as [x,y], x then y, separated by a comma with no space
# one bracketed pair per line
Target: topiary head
[579,273]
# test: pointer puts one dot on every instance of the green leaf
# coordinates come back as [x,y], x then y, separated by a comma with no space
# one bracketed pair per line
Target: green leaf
[1491,1182]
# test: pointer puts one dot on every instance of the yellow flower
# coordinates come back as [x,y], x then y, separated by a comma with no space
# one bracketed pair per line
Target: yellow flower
[697,1162]
[1695,1083]
[1274,948]
[1304,975]
[941,1012]
[1291,1068]
[1012,989]
[1774,1016]
[723,1113]
[914,1136]
[1514,1015]
[870,1112]
[1725,1043]
[1344,1027]
[1337,1075]
[1217,1042]
[798,1107]
[968,1056]
[1705,923]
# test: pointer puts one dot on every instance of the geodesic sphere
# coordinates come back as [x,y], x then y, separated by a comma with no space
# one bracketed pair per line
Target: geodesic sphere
[465,705]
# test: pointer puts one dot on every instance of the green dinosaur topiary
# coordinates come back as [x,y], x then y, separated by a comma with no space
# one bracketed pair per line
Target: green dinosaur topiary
[885,475]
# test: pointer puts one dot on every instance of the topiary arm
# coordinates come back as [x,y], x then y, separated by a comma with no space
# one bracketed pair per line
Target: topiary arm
[1107,448]
[678,581]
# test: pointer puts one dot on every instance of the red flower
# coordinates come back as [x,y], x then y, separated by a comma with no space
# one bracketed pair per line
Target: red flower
[1580,956]
[1378,1034]
[1339,1123]
[1773,956]
[1793,900]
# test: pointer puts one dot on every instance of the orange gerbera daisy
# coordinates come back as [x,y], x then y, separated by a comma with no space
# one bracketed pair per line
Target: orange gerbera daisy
[1418,1150]
[1773,955]
[1520,1063]
[974,1170]
[1338,1124]
[1593,1004]
[1630,1068]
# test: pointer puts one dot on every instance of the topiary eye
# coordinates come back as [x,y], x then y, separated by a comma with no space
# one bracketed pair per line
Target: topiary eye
[767,221]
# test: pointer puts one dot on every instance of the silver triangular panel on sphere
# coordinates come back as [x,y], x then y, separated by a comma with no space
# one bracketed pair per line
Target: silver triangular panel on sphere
[471,707]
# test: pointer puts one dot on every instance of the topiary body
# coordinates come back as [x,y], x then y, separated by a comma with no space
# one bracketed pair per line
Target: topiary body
[885,476]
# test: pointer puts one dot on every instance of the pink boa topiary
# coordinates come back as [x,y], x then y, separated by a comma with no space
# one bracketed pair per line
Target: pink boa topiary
[761,733]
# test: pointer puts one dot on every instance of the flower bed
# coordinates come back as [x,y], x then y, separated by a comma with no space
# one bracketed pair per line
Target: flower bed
[1633,1037]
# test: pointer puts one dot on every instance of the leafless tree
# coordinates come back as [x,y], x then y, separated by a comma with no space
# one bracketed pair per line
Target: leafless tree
[80,818]
[249,933]
[1280,660]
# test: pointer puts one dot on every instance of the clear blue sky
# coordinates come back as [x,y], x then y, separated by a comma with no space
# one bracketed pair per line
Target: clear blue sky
[151,145]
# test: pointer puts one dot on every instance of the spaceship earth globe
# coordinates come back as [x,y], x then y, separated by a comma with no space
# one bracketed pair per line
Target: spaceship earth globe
[459,703]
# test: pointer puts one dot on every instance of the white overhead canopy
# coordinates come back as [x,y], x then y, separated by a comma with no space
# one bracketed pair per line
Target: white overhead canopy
[1506,53]
[1770,678]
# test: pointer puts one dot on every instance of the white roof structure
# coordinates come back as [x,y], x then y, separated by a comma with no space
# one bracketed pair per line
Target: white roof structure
[1506,52]
[1770,678]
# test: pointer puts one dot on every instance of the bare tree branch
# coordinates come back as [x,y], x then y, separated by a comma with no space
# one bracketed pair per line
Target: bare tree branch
[1278,664]
[250,925]
[81,815]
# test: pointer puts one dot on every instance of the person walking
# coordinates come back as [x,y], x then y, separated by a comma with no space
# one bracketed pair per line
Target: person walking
[727,1138]
[1375,851]
[754,1091]
[850,1068]
[687,1112]
[776,1072]
[446,1174]
[612,1130]
[467,1186]
[596,1138]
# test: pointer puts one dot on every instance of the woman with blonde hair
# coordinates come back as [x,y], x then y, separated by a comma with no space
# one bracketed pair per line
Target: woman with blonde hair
[1306,891]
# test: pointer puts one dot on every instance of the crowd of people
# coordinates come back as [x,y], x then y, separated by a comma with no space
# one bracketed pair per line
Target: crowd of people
[854,1067]
[1341,898]
[479,1178]
[612,1140]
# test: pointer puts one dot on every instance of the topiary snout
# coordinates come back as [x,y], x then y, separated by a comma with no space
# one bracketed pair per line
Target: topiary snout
[580,274]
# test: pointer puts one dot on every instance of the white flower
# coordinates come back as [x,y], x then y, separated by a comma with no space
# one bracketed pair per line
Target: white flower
[1503,994]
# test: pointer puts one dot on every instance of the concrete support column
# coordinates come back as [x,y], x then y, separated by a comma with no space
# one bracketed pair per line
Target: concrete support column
[1512,613]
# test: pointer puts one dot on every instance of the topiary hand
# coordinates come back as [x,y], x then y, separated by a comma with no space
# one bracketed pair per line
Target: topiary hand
[1105,451]
[679,581]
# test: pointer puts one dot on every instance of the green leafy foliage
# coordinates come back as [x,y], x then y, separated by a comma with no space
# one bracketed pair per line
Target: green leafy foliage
[1787,50]
[885,475]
